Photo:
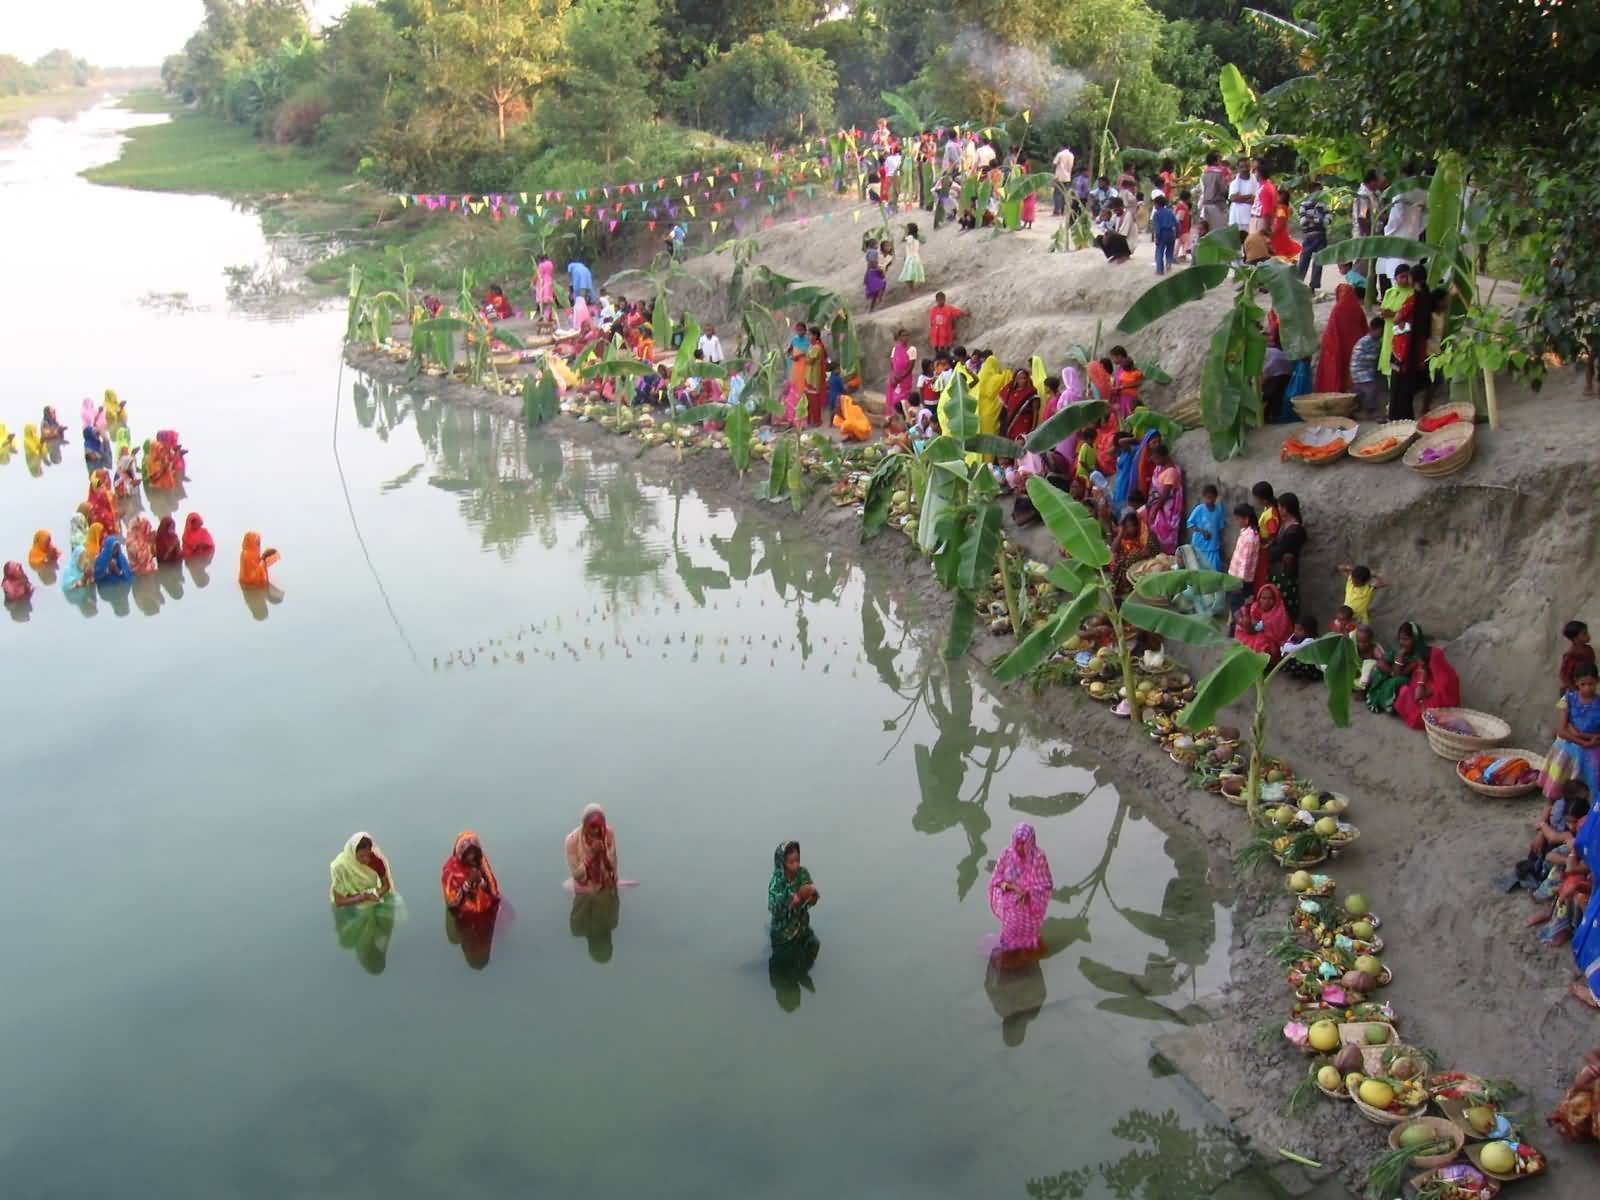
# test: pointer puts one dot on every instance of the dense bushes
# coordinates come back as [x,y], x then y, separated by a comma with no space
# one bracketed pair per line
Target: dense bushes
[766,87]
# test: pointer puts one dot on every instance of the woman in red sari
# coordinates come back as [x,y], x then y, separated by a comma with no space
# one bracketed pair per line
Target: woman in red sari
[1264,623]
[103,502]
[1282,245]
[1020,406]
[1434,686]
[1347,325]
[467,880]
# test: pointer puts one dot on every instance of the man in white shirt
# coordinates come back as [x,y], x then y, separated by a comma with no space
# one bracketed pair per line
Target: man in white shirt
[986,156]
[710,345]
[1063,167]
[1241,196]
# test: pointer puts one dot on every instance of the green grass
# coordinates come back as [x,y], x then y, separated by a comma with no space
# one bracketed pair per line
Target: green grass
[151,100]
[37,102]
[196,152]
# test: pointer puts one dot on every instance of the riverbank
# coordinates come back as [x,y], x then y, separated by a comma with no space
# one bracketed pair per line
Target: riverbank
[17,112]
[1470,982]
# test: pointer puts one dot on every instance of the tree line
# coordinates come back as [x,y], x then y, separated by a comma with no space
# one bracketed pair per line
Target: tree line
[54,71]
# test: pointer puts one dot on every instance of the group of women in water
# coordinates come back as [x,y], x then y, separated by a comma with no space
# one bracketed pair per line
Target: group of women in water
[107,544]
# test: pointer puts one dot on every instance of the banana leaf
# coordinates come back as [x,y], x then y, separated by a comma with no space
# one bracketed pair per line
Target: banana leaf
[980,546]
[963,620]
[1066,423]
[1291,300]
[1038,645]
[797,479]
[540,401]
[1244,111]
[1170,583]
[1072,525]
[1240,670]
[776,484]
[1219,247]
[1141,420]
[993,445]
[1151,371]
[1170,294]
[880,492]
[684,365]
[1362,248]
[1069,576]
[737,428]
[937,499]
[504,337]
[958,410]
[1336,655]
[1180,627]
[701,413]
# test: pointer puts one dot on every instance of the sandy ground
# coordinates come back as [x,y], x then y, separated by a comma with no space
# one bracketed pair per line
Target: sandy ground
[1491,561]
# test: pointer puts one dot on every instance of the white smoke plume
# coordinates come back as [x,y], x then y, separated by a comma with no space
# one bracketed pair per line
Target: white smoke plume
[1022,78]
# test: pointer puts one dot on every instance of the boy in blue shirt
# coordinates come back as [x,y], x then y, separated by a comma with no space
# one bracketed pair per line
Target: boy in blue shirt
[1164,224]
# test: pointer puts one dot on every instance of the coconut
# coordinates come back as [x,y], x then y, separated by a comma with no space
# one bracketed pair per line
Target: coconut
[1356,904]
[1358,981]
[1498,1158]
[1323,1036]
[1369,965]
[1376,1094]
[900,497]
[1349,1059]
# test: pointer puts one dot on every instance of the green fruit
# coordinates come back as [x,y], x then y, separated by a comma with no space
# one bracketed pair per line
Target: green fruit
[1300,881]
[1414,1135]
[1362,931]
[1369,966]
[1499,1158]
[1356,905]
[1274,776]
[1481,1118]
[1310,803]
[1328,1077]
[1353,1081]
[1377,1035]
[1327,827]
[1376,1094]
[900,497]
[1283,814]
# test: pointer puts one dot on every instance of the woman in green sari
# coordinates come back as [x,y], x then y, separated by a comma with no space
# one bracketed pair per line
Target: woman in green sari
[790,897]
[1395,667]
[362,891]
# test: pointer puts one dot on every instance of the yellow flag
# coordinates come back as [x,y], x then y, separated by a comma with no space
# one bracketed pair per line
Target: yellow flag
[584,224]
[524,196]
[680,180]
[404,199]
[1026,116]
[855,214]
[713,227]
[691,210]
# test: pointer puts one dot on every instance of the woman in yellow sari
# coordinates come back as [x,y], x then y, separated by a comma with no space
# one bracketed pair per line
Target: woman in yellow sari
[992,377]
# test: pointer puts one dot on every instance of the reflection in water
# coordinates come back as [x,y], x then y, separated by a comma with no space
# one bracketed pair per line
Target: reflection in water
[364,930]
[474,933]
[789,970]
[1017,993]
[258,600]
[595,916]
[1173,1161]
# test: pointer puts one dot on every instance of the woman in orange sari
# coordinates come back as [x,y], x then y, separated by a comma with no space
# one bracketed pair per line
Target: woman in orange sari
[1282,245]
[253,563]
[467,880]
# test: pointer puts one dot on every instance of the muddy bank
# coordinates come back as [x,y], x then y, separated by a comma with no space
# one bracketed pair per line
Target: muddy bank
[1470,982]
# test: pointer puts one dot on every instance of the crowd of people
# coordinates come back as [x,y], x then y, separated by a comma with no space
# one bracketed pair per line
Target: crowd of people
[111,540]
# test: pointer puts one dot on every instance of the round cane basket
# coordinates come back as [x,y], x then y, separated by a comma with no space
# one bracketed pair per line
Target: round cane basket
[1509,792]
[1464,411]
[1438,1128]
[1490,731]
[1324,404]
[1382,1116]
[1343,426]
[1455,440]
[1406,431]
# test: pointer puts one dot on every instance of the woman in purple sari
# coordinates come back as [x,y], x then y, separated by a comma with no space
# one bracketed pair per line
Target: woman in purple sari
[1165,501]
[1019,893]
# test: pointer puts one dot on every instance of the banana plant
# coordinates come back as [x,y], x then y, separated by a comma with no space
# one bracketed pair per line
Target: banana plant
[433,342]
[1246,133]
[908,118]
[1230,379]
[1242,670]
[1015,191]
[744,251]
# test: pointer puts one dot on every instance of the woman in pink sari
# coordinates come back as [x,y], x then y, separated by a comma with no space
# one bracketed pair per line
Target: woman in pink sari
[1019,893]
[544,290]
[592,853]
[902,374]
[1264,623]
[1164,502]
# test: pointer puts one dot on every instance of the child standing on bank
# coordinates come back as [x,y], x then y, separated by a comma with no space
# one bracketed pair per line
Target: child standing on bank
[1206,522]
[1364,372]
[1359,585]
[1579,653]
[1164,225]
[942,318]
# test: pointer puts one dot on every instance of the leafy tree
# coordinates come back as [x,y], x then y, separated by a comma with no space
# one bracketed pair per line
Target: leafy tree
[697,30]
[268,22]
[496,52]
[608,82]
[766,87]
[368,75]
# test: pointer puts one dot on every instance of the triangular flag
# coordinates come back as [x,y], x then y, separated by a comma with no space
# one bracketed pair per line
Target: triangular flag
[713,227]
[1026,116]
[613,227]
[403,200]
[584,224]
[690,207]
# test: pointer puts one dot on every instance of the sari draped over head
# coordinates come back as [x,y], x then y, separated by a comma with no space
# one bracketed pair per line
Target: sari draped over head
[1099,381]
[32,443]
[49,427]
[94,448]
[1347,325]
[1165,505]
[991,378]
[253,563]
[122,440]
[1265,630]
[789,922]
[168,438]
[15,583]
[1586,938]
[94,539]
[1205,534]
[901,377]
[79,572]
[1398,305]
[91,416]
[1436,685]
[592,859]
[455,875]
[852,421]
[1021,912]
[116,410]
[167,547]
[349,876]
[141,545]
[77,532]
[160,469]
[111,564]
[43,551]
[196,537]
[1020,401]
[1384,688]
[1568,760]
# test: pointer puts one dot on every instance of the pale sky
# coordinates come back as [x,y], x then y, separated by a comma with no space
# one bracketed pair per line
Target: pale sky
[116,33]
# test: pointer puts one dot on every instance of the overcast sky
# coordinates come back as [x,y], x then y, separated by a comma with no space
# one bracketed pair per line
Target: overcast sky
[120,33]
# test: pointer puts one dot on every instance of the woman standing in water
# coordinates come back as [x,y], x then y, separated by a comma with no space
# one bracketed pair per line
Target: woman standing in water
[360,873]
[467,880]
[592,853]
[790,897]
[1019,894]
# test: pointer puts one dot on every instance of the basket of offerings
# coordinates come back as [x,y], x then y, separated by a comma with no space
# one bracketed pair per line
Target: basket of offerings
[1420,1132]
[1458,733]
[1324,404]
[1442,452]
[1318,441]
[1458,1181]
[1462,412]
[1506,1161]
[1385,443]
[1390,1101]
[1500,773]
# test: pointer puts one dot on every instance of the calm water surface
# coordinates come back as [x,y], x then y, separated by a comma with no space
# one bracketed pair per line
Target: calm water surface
[479,628]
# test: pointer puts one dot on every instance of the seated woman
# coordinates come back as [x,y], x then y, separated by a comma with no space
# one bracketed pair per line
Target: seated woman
[790,898]
[126,482]
[1417,677]
[102,502]
[141,545]
[50,429]
[495,305]
[1133,544]
[1019,895]
[1394,668]
[43,552]
[467,880]
[591,851]
[168,549]
[94,447]
[15,584]
[1575,753]
[111,564]
[116,411]
[253,562]
[1263,623]
[160,469]
[196,537]
[360,873]
[852,421]
[168,438]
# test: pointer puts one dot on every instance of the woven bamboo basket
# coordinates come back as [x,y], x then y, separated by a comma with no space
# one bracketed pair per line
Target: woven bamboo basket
[1344,425]
[1489,1189]
[1382,1116]
[1457,440]
[1439,1128]
[1466,412]
[1324,404]
[1494,792]
[1406,431]
[1492,731]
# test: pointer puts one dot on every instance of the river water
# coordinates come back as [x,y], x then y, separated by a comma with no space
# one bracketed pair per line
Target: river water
[478,627]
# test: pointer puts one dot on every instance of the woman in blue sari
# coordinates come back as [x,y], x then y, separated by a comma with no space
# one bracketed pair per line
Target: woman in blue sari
[1586,937]
[112,564]
[1576,751]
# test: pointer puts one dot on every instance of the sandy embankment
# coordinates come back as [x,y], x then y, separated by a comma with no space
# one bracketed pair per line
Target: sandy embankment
[1491,561]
